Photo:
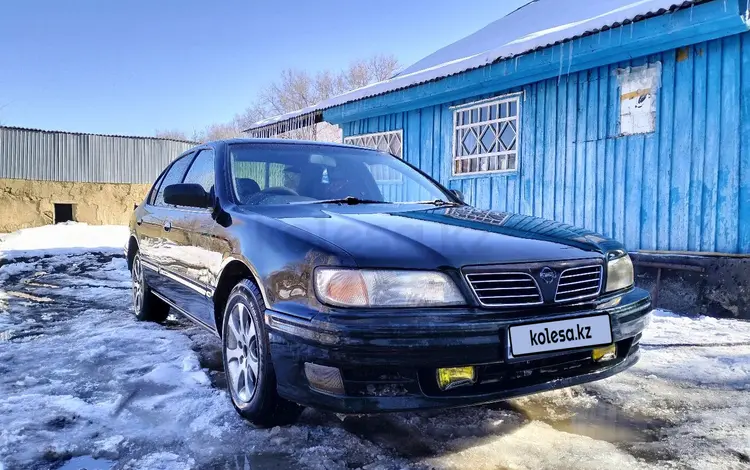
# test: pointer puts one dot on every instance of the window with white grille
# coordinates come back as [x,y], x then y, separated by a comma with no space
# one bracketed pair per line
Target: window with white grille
[391,142]
[485,137]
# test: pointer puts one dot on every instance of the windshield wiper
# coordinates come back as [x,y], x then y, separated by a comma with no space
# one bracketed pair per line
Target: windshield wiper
[434,202]
[350,200]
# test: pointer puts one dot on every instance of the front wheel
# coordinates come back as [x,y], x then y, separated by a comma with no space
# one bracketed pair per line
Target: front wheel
[247,362]
[146,305]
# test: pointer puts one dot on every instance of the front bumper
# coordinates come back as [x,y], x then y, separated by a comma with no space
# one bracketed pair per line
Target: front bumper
[388,364]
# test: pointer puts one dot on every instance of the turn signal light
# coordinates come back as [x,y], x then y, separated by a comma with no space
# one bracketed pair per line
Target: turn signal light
[452,377]
[324,379]
[607,353]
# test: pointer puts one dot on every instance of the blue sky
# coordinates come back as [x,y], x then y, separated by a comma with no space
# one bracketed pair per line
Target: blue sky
[137,66]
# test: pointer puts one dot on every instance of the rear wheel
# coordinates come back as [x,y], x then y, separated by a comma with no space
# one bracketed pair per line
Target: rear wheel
[247,362]
[146,305]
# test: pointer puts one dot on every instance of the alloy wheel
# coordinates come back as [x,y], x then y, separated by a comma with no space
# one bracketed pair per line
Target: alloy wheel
[137,275]
[241,350]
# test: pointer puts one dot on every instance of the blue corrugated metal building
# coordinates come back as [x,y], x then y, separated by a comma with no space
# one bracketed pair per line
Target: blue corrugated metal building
[631,119]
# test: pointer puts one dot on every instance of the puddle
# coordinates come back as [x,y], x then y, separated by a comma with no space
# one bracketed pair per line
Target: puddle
[259,461]
[602,421]
[606,423]
[86,462]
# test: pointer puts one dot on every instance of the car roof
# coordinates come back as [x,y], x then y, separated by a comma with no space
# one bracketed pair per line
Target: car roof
[278,141]
[249,140]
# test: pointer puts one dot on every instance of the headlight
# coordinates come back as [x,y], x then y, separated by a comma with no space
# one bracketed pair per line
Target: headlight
[376,288]
[619,273]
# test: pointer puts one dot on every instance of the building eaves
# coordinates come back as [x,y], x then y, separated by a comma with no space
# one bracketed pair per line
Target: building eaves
[633,11]
[30,129]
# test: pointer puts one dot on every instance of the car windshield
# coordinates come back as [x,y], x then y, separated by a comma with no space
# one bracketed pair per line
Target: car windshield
[270,173]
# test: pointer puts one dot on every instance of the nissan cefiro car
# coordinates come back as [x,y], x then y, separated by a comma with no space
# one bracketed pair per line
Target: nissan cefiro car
[346,279]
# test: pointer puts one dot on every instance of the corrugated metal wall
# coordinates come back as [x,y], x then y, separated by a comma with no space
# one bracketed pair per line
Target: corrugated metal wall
[59,156]
[684,187]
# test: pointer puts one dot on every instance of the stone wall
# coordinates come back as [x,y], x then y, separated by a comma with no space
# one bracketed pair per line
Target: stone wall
[25,203]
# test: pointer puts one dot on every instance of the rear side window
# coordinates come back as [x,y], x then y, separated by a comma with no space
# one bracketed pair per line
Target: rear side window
[202,170]
[155,188]
[173,176]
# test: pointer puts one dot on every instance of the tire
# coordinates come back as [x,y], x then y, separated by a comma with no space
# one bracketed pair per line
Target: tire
[146,305]
[251,380]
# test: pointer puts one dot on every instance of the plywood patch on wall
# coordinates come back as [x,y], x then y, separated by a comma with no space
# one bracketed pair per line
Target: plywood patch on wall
[638,88]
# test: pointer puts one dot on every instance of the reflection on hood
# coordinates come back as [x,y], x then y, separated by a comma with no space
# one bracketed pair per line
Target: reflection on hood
[516,225]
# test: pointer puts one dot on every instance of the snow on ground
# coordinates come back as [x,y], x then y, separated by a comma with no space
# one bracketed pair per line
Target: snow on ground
[82,384]
[69,238]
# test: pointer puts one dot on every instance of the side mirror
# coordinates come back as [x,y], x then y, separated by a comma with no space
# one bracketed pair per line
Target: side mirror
[458,194]
[187,194]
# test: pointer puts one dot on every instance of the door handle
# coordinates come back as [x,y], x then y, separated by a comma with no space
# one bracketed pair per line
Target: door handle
[167,226]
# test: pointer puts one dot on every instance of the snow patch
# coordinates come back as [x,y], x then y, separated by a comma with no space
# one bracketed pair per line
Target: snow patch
[65,238]
[161,461]
[539,446]
[189,374]
[670,328]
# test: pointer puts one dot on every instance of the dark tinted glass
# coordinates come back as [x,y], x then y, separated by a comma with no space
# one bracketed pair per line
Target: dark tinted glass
[202,170]
[155,188]
[173,176]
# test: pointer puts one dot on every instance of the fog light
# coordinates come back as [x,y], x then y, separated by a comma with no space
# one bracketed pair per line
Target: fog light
[452,377]
[607,353]
[324,379]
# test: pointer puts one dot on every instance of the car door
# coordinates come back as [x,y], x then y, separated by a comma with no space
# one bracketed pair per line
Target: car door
[158,249]
[149,230]
[193,233]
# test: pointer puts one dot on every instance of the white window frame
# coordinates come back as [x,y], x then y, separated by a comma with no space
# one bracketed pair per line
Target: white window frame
[354,139]
[478,105]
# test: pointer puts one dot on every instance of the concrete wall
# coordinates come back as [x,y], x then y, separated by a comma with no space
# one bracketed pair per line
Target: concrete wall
[710,284]
[25,203]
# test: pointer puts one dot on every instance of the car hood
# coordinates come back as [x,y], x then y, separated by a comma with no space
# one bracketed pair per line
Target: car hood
[415,238]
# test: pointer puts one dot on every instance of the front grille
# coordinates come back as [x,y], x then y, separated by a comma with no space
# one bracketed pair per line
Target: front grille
[579,283]
[505,289]
[364,381]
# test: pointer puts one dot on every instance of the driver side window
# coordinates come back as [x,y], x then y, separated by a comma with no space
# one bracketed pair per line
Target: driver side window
[202,170]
